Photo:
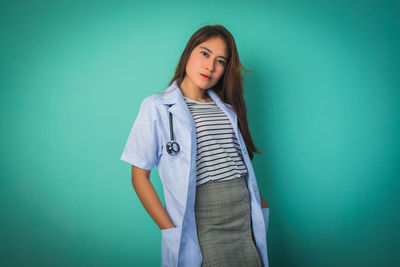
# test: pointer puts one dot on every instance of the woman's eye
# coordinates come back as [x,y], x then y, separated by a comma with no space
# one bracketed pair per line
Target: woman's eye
[206,54]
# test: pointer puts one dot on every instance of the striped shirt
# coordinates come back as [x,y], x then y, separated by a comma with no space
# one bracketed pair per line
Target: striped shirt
[219,156]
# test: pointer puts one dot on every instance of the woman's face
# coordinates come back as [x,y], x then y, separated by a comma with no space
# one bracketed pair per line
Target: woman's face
[208,58]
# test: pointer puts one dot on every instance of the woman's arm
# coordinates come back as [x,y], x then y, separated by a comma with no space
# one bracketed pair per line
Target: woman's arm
[149,198]
[263,202]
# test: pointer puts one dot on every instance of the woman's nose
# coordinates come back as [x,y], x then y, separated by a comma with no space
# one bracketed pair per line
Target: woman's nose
[210,65]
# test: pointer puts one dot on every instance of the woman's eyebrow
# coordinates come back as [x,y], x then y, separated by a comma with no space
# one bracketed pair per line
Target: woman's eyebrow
[211,51]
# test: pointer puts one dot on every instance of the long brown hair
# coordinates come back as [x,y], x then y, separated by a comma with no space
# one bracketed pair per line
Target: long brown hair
[230,86]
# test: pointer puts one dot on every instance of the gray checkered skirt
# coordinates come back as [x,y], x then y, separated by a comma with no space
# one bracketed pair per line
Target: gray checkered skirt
[223,221]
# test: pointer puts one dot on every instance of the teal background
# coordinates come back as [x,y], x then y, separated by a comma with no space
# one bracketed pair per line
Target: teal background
[323,107]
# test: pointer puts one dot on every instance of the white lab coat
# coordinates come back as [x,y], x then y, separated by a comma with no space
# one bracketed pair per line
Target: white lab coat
[145,148]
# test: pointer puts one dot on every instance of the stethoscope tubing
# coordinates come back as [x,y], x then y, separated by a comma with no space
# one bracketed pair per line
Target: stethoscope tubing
[172,146]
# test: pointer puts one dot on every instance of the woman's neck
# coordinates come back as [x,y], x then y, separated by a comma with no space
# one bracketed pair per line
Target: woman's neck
[193,92]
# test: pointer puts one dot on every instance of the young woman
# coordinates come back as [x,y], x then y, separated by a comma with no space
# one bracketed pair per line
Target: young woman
[196,132]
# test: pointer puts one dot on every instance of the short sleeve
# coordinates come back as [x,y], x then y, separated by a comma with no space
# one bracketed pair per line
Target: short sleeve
[143,148]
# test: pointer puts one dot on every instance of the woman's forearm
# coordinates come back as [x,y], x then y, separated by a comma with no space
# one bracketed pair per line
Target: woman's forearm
[149,198]
[263,202]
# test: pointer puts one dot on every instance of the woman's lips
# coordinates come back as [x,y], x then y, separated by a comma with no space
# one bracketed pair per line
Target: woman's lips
[205,76]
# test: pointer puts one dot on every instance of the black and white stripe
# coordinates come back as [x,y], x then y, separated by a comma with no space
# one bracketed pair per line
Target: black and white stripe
[219,156]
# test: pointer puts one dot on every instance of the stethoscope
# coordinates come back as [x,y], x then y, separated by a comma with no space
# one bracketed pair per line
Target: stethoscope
[172,146]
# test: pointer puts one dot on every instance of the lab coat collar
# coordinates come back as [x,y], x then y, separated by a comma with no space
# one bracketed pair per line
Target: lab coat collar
[173,96]
[225,107]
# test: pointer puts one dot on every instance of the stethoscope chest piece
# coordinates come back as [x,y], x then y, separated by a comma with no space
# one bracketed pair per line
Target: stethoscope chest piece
[172,147]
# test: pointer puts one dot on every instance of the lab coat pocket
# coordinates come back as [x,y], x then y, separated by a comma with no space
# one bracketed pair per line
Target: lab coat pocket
[172,165]
[173,160]
[265,212]
[170,239]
